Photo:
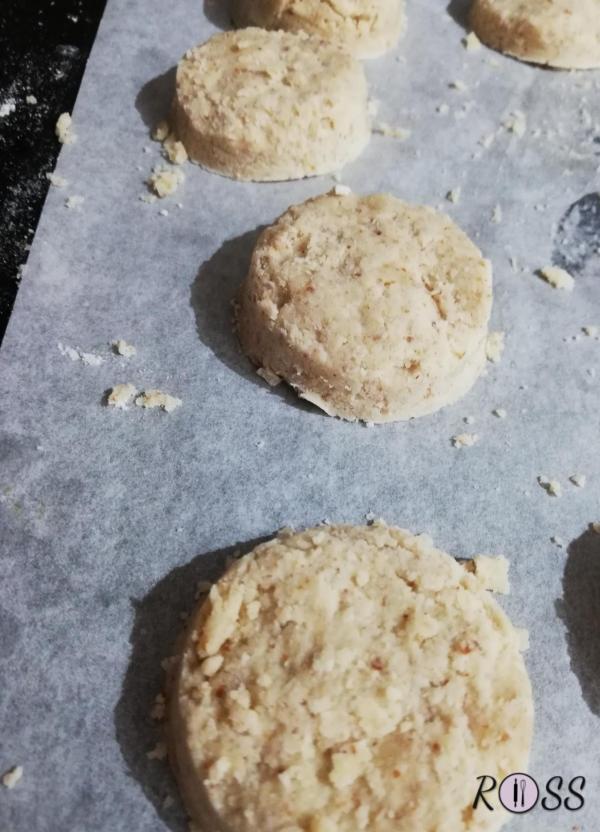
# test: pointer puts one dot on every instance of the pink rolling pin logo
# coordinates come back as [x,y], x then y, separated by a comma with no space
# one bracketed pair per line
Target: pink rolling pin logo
[518,793]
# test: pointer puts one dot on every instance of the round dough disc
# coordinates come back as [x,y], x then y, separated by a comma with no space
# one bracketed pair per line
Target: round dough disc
[268,106]
[559,33]
[366,28]
[371,308]
[345,679]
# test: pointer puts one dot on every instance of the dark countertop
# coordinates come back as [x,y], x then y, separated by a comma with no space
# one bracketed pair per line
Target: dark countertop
[44,46]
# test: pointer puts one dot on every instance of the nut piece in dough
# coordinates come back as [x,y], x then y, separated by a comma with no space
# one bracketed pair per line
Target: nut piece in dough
[334,678]
[369,307]
[559,33]
[365,28]
[267,106]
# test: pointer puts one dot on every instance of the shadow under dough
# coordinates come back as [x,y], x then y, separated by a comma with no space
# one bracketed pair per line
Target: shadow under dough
[157,625]
[153,101]
[579,609]
[211,297]
[459,12]
[219,13]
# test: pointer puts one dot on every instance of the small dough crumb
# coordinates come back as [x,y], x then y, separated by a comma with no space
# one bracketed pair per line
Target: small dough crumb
[471,42]
[12,777]
[558,541]
[342,190]
[74,201]
[159,752]
[156,398]
[64,129]
[454,195]
[497,214]
[174,151]
[469,420]
[494,346]
[579,480]
[458,85]
[56,180]
[272,379]
[552,487]
[595,527]
[385,129]
[121,395]
[31,99]
[161,131]
[165,181]
[443,109]
[121,347]
[516,123]
[557,278]
[591,331]
[465,440]
[500,412]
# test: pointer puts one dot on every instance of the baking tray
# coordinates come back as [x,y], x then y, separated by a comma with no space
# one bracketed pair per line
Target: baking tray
[110,518]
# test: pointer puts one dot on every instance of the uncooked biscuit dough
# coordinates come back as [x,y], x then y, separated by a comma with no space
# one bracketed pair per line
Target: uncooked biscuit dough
[559,33]
[369,307]
[366,28]
[268,106]
[345,679]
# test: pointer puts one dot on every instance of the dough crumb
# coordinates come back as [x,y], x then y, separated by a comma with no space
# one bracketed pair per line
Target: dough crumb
[443,109]
[149,198]
[31,99]
[11,777]
[163,212]
[494,346]
[64,129]
[7,107]
[578,479]
[557,278]
[497,214]
[91,359]
[74,201]
[159,752]
[56,180]
[342,190]
[385,129]
[156,398]
[121,395]
[454,195]
[159,708]
[551,487]
[558,541]
[271,378]
[175,151]
[458,85]
[469,420]
[492,573]
[121,347]
[465,440]
[591,331]
[500,412]
[516,123]
[487,141]
[161,131]
[471,42]
[595,527]
[165,181]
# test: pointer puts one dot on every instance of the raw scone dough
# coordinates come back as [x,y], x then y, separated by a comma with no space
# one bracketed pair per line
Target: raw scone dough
[371,308]
[344,679]
[268,106]
[366,28]
[559,33]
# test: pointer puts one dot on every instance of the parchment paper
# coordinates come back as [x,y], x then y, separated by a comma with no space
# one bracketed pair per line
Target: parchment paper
[109,518]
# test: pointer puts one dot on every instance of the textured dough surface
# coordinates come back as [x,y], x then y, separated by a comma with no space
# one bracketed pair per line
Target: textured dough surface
[560,33]
[259,105]
[371,308]
[343,679]
[366,28]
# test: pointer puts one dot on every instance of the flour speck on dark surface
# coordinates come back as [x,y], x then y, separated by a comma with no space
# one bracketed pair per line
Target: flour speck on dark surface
[43,50]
